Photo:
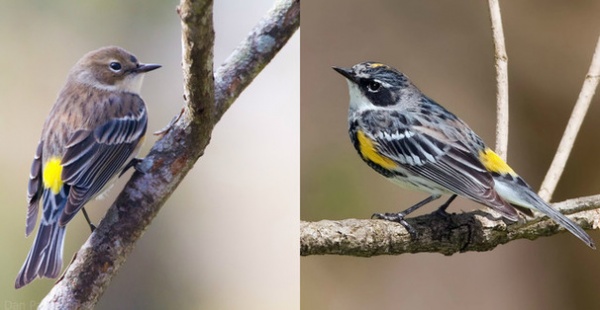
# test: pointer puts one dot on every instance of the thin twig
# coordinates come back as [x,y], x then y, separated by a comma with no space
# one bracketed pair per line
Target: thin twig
[171,157]
[579,111]
[455,233]
[501,63]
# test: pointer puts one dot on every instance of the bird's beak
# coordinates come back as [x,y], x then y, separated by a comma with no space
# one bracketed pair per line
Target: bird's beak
[347,73]
[143,68]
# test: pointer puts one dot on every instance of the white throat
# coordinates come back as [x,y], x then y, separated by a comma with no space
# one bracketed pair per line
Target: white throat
[358,101]
[131,84]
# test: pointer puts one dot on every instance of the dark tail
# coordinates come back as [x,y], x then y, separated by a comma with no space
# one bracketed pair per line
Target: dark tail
[45,257]
[564,221]
[513,189]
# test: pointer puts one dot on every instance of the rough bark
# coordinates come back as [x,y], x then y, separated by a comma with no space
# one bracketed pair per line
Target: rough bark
[454,233]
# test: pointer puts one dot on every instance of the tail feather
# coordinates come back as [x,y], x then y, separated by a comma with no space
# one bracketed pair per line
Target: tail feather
[515,191]
[562,220]
[45,257]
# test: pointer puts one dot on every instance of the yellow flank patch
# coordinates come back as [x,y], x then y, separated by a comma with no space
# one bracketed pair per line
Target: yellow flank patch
[493,163]
[52,175]
[368,151]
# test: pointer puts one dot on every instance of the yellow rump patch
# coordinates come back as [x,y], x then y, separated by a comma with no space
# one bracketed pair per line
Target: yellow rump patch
[52,175]
[493,163]
[368,151]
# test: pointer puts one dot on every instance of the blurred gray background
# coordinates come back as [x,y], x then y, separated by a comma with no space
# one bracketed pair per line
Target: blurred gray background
[445,47]
[227,238]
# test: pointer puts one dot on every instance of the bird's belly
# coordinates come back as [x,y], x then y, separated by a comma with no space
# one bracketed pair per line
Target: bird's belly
[410,182]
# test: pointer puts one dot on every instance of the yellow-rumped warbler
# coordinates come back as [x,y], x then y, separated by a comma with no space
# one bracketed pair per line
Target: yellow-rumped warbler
[93,131]
[418,144]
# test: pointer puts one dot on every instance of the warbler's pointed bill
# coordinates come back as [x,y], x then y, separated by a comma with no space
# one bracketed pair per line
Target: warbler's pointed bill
[347,73]
[94,129]
[418,144]
[141,68]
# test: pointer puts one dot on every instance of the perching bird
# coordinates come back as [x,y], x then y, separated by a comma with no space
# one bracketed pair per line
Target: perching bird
[418,144]
[93,131]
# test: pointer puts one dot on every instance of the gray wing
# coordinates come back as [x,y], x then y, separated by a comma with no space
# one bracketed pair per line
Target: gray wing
[430,153]
[94,156]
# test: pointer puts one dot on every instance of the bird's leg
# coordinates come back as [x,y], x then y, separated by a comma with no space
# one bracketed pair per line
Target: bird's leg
[133,163]
[441,211]
[87,218]
[399,217]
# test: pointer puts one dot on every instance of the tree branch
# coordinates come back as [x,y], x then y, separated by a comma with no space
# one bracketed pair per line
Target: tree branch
[501,62]
[173,155]
[456,233]
[255,52]
[579,111]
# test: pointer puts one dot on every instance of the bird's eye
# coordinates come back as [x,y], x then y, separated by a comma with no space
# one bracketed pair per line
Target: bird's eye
[374,86]
[115,66]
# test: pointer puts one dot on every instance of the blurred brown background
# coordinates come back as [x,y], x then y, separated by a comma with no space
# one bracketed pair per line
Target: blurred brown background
[445,47]
[227,238]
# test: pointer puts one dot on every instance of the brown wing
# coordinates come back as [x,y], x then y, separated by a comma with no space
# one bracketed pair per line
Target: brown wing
[34,190]
[95,156]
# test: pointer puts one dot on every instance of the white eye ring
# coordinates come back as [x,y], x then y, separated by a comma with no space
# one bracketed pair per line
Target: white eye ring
[115,66]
